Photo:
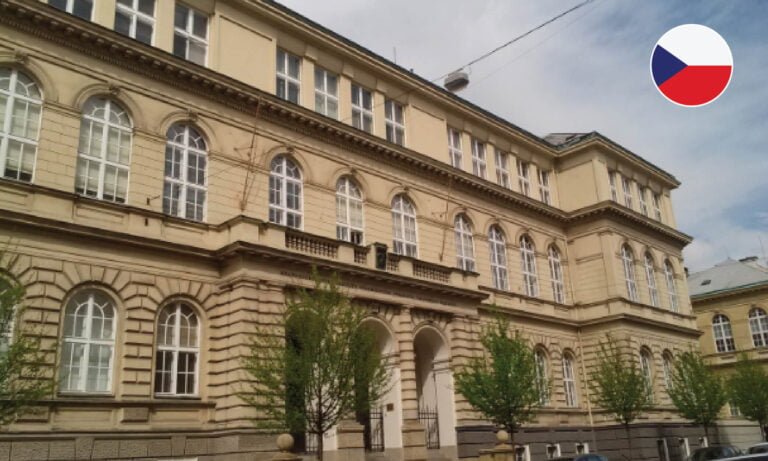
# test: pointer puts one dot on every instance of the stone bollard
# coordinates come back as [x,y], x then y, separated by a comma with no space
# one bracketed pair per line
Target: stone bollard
[285,444]
[503,451]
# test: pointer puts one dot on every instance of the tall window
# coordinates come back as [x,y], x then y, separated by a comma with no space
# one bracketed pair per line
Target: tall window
[556,273]
[288,79]
[650,276]
[104,152]
[523,177]
[528,261]
[190,34]
[395,122]
[758,325]
[404,238]
[569,381]
[8,323]
[657,206]
[626,186]
[667,362]
[498,250]
[544,190]
[502,169]
[628,261]
[641,194]
[478,158]
[88,343]
[285,207]
[721,329]
[80,8]
[465,245]
[186,162]
[326,93]
[349,211]
[669,277]
[20,107]
[612,182]
[454,147]
[542,376]
[362,108]
[136,19]
[646,363]
[177,359]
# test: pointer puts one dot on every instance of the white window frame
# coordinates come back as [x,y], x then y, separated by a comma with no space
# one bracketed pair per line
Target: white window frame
[183,182]
[758,326]
[284,79]
[465,243]
[279,211]
[523,453]
[542,375]
[523,177]
[667,365]
[479,165]
[626,187]
[528,264]
[650,277]
[176,349]
[628,262]
[498,252]
[5,130]
[136,16]
[70,7]
[612,182]
[404,217]
[722,334]
[454,147]
[545,192]
[556,451]
[646,367]
[323,91]
[569,382]
[395,129]
[581,448]
[502,169]
[360,113]
[86,159]
[347,194]
[641,194]
[556,274]
[188,32]
[657,206]
[669,276]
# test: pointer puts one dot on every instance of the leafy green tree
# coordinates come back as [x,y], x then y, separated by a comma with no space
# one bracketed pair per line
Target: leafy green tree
[503,383]
[317,365]
[697,393]
[618,385]
[748,389]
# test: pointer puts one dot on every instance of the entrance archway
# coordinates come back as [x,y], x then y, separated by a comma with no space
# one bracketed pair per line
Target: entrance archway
[434,387]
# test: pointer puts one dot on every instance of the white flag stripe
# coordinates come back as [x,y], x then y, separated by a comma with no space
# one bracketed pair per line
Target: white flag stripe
[697,45]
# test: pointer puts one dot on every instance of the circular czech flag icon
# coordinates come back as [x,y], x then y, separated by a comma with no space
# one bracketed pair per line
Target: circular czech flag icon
[691,65]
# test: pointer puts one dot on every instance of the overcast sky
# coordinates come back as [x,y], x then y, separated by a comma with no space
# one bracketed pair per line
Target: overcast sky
[590,71]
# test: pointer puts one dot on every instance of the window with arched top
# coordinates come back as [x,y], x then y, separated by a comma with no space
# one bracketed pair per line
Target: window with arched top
[404,238]
[556,274]
[465,244]
[721,330]
[9,294]
[542,376]
[668,364]
[628,261]
[646,367]
[349,211]
[20,107]
[758,325]
[569,381]
[498,251]
[669,277]
[88,343]
[104,151]
[177,359]
[285,193]
[650,277]
[186,165]
[528,263]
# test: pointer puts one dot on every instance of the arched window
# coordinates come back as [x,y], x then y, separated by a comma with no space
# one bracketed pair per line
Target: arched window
[404,238]
[349,211]
[628,260]
[758,324]
[88,343]
[669,276]
[646,367]
[569,381]
[650,277]
[667,362]
[8,293]
[20,108]
[528,261]
[542,376]
[721,329]
[285,199]
[498,250]
[186,162]
[556,274]
[104,152]
[465,245]
[177,359]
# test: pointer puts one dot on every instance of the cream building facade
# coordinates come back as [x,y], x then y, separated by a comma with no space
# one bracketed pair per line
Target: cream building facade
[171,169]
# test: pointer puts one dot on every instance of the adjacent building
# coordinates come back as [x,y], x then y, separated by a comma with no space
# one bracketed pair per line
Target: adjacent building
[172,169]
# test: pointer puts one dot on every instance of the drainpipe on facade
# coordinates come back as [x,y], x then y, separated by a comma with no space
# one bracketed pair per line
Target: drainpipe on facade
[586,387]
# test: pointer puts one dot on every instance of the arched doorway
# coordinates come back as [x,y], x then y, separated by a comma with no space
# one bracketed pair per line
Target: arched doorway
[434,387]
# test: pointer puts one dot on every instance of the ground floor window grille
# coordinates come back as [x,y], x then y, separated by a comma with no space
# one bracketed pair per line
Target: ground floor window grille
[428,417]
[373,429]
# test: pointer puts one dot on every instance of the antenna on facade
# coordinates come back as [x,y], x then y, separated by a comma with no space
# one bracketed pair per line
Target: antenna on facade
[762,248]
[394,53]
[250,176]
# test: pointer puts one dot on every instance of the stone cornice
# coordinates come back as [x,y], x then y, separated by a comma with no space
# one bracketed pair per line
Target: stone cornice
[636,319]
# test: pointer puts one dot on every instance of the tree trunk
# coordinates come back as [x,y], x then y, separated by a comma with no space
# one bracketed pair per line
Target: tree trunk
[706,435]
[629,441]
[511,431]
[320,453]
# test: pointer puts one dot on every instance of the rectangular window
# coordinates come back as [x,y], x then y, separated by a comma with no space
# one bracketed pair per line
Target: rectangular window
[362,108]
[454,147]
[641,194]
[612,181]
[288,76]
[523,177]
[326,93]
[478,158]
[544,190]
[80,8]
[190,34]
[502,169]
[626,186]
[657,206]
[136,19]
[395,122]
